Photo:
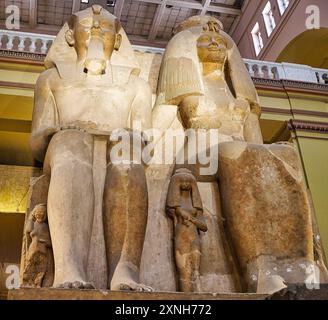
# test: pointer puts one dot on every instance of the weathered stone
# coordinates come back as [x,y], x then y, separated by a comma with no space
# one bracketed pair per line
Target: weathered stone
[38,194]
[61,294]
[38,271]
[268,214]
[90,89]
[184,206]
[204,74]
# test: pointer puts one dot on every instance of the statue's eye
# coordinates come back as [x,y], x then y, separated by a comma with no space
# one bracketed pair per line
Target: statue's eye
[105,24]
[204,39]
[86,23]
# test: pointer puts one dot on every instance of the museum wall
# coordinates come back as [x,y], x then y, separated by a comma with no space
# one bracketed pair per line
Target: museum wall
[289,27]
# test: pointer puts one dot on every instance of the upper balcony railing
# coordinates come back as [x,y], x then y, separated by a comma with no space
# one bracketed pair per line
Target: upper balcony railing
[39,44]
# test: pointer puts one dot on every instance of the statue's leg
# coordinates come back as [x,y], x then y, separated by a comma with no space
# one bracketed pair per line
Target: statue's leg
[125,219]
[265,202]
[187,257]
[70,205]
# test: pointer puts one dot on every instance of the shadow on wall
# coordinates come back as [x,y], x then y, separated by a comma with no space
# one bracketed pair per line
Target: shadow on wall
[11,234]
[309,48]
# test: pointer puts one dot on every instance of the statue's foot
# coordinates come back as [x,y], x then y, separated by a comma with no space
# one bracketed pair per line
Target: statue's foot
[132,286]
[81,285]
[126,277]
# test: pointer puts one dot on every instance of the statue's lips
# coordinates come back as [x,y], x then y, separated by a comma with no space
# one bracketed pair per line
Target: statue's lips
[213,49]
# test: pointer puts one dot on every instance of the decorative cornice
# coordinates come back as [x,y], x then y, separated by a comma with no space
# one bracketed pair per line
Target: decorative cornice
[28,56]
[305,86]
[291,86]
[312,126]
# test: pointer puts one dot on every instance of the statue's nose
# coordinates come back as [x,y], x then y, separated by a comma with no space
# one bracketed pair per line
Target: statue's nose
[214,42]
[96,24]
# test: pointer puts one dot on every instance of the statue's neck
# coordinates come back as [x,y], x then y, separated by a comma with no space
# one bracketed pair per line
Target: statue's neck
[186,201]
[213,70]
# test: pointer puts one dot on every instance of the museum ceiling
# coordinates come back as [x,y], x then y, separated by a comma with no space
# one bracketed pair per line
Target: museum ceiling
[148,22]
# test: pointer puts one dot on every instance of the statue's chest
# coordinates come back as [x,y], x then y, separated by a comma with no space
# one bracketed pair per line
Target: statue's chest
[79,97]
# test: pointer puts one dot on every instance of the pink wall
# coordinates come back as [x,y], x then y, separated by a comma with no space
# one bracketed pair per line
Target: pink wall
[289,26]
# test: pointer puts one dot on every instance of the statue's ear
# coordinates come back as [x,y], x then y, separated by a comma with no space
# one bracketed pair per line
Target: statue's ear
[69,36]
[118,42]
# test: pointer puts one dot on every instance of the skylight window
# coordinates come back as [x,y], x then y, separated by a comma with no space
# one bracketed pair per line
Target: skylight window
[257,39]
[268,17]
[283,5]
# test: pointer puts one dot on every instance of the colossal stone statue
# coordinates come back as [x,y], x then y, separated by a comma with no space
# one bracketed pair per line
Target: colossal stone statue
[118,223]
[91,89]
[204,74]
[265,202]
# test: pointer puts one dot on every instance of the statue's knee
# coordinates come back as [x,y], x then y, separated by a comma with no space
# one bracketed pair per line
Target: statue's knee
[69,146]
[232,150]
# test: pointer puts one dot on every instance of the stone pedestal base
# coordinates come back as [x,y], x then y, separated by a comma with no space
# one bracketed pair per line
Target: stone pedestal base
[63,294]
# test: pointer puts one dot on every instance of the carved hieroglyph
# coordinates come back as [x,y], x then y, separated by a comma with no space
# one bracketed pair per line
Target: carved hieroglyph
[91,88]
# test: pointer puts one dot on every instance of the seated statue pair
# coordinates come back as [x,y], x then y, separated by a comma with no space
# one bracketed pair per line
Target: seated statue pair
[97,206]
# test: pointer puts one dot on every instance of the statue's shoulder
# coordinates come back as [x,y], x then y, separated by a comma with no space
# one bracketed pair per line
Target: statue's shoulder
[48,76]
[139,83]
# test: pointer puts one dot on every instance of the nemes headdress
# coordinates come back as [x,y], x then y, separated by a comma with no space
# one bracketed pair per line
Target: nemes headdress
[64,57]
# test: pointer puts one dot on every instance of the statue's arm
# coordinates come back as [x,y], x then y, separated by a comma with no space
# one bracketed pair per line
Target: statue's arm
[201,223]
[141,112]
[245,93]
[29,226]
[44,116]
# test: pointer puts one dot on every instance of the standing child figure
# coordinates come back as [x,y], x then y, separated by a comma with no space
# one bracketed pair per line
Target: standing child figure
[184,206]
[40,242]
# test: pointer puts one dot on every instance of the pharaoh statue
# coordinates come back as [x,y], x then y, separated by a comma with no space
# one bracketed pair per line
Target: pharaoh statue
[184,206]
[263,199]
[97,203]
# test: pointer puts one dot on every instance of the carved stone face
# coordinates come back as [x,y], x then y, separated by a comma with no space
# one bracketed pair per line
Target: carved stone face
[211,47]
[40,214]
[185,186]
[94,38]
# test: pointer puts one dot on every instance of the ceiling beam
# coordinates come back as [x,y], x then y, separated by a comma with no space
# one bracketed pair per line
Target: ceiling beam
[157,20]
[205,4]
[151,1]
[33,13]
[118,8]
[225,9]
[76,6]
